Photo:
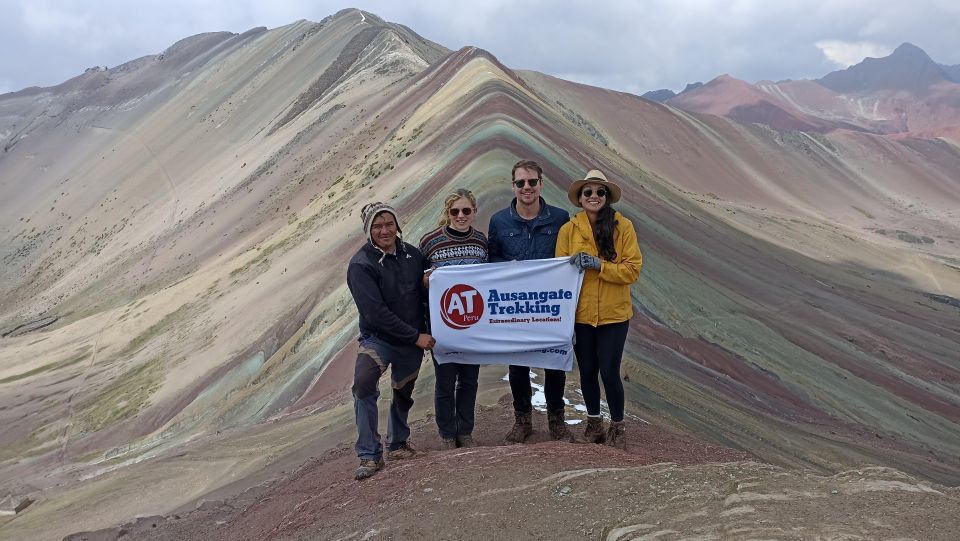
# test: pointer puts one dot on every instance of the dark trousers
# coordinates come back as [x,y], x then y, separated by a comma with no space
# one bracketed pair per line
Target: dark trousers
[553,383]
[599,351]
[456,398]
[370,366]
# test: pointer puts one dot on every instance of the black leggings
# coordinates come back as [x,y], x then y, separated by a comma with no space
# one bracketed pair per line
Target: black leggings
[599,351]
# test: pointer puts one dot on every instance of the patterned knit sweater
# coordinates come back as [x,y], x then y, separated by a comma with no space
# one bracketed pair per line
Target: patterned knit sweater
[446,246]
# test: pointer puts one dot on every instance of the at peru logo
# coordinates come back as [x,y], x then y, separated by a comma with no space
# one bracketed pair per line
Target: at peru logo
[461,306]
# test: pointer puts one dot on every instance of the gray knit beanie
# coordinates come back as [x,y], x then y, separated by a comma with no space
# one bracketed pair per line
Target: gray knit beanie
[371,210]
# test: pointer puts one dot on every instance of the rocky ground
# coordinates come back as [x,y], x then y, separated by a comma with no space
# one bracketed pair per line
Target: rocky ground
[665,486]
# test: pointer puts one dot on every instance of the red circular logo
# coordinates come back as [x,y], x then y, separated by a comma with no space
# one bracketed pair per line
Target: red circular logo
[461,306]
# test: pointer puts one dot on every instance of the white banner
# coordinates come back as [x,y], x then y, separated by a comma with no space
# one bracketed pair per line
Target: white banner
[516,312]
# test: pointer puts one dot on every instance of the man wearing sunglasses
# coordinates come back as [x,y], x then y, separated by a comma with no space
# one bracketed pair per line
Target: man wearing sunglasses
[527,229]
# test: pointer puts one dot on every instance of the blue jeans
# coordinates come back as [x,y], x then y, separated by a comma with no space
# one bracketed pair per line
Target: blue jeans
[372,361]
[456,398]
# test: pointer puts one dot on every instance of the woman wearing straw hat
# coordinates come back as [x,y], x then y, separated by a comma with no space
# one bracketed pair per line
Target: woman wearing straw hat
[455,242]
[603,244]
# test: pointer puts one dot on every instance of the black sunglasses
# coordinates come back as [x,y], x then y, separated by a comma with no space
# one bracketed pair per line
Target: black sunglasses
[531,181]
[466,212]
[588,192]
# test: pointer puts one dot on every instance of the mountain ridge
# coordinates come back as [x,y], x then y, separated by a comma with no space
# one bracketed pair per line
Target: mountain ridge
[902,95]
[908,67]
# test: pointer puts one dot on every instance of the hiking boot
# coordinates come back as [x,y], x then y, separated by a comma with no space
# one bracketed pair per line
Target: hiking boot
[368,468]
[465,440]
[448,443]
[404,452]
[617,436]
[594,432]
[522,428]
[558,427]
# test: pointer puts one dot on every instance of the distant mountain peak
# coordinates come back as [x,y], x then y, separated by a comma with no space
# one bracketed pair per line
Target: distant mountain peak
[721,81]
[908,67]
[910,52]
[908,48]
[659,96]
[665,94]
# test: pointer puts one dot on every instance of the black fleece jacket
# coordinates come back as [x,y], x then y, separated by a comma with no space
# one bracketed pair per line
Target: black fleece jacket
[389,292]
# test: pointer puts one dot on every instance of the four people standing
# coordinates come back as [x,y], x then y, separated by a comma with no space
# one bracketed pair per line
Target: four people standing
[455,242]
[387,278]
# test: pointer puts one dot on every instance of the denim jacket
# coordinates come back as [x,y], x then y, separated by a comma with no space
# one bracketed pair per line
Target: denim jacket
[511,238]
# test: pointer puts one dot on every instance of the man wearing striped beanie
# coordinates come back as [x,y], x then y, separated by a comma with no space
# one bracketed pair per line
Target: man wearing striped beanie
[385,278]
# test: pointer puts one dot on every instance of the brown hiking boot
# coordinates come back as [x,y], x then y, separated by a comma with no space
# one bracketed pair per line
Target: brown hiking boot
[368,468]
[558,427]
[403,453]
[617,436]
[448,443]
[594,432]
[465,440]
[522,428]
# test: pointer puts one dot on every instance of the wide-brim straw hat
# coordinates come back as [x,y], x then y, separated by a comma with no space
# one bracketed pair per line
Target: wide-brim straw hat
[597,177]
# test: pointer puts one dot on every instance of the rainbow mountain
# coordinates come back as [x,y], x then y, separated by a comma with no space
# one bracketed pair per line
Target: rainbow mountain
[175,233]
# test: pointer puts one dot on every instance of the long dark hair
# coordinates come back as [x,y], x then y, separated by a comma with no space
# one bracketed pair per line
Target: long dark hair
[603,232]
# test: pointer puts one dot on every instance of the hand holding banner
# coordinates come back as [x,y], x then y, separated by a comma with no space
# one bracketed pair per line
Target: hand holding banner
[516,312]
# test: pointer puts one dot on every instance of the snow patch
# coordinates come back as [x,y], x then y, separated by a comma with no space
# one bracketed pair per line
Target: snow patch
[539,400]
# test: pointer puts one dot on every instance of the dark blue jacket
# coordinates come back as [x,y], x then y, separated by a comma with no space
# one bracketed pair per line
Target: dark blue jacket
[389,292]
[511,238]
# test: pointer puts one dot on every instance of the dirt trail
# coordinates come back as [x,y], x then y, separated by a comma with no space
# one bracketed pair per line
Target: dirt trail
[666,486]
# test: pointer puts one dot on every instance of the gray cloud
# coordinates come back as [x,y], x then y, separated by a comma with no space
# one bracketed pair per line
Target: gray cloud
[620,44]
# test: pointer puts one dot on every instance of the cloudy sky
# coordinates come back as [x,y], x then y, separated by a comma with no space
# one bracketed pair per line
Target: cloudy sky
[630,45]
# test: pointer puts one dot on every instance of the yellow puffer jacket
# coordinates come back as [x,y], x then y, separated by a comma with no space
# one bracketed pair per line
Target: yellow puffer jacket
[604,295]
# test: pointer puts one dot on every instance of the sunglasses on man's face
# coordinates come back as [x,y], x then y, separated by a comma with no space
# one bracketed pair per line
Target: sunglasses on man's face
[530,181]
[588,192]
[466,212]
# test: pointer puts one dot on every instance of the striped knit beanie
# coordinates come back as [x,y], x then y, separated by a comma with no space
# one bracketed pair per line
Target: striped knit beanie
[371,210]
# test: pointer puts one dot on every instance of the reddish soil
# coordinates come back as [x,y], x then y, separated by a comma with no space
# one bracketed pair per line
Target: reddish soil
[321,500]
